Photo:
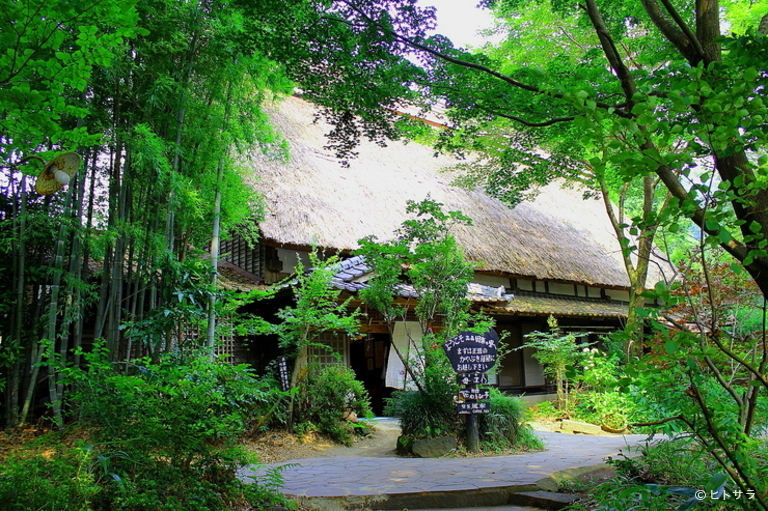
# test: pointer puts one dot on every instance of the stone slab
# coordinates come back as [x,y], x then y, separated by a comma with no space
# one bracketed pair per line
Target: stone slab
[584,428]
[433,447]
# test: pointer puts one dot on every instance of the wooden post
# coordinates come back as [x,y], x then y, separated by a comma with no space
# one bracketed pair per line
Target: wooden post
[473,435]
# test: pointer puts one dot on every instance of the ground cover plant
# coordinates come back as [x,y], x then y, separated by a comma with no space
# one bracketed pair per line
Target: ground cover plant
[671,474]
[505,428]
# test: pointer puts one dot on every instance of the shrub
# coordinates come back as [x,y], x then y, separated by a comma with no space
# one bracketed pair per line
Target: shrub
[429,413]
[665,476]
[167,433]
[545,410]
[679,462]
[504,428]
[615,411]
[556,351]
[601,400]
[48,474]
[326,394]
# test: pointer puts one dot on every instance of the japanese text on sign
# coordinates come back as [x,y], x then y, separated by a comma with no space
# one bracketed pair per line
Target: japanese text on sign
[472,379]
[282,364]
[473,407]
[474,394]
[471,352]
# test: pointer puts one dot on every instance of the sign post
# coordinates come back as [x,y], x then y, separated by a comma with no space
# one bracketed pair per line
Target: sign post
[285,378]
[471,355]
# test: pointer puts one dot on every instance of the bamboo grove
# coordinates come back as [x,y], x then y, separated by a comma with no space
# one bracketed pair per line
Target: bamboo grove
[161,99]
[155,97]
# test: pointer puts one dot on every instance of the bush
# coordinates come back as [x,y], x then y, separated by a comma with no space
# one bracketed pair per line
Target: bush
[504,428]
[614,411]
[326,394]
[601,401]
[679,462]
[545,411]
[430,413]
[427,415]
[48,474]
[167,434]
[664,477]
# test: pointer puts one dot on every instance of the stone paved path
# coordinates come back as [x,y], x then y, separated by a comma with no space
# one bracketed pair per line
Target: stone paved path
[344,476]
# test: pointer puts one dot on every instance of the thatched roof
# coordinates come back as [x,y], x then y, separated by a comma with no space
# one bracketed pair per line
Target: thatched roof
[313,199]
[536,304]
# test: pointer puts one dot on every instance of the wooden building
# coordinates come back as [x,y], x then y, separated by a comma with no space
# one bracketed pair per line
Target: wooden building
[556,255]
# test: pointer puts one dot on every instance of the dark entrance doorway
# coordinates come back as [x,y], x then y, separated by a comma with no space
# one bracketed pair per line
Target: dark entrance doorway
[368,358]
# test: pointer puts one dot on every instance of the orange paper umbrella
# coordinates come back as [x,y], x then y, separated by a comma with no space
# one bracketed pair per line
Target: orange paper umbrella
[57,173]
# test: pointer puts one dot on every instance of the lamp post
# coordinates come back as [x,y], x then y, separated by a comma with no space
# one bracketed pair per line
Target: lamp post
[57,173]
[54,175]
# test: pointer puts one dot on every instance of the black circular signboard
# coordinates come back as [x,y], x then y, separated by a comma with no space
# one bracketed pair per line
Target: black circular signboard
[472,353]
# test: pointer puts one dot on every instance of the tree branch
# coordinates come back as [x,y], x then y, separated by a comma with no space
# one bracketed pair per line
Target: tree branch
[662,421]
[612,54]
[680,36]
[541,124]
[735,470]
[472,65]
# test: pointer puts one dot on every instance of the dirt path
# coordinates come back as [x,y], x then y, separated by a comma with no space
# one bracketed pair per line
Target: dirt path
[278,446]
[381,444]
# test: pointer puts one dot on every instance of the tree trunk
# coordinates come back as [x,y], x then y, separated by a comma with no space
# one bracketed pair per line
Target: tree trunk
[211,334]
[52,334]
[14,383]
[302,359]
[216,234]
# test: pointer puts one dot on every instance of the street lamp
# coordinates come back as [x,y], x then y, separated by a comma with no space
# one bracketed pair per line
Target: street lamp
[57,173]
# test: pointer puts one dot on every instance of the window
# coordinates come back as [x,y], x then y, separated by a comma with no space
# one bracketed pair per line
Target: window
[337,351]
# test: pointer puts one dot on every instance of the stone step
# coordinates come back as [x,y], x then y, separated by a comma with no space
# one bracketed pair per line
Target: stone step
[494,508]
[496,499]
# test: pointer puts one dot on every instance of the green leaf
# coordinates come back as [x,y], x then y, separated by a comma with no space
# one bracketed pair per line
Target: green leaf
[716,482]
[671,347]
[724,236]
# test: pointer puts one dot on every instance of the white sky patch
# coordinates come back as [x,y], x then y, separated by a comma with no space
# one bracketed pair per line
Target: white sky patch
[460,20]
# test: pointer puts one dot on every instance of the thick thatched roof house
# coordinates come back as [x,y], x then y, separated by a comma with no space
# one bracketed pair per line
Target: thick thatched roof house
[556,255]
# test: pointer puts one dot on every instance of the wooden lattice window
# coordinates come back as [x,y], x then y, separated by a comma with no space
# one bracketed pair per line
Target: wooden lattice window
[237,252]
[195,336]
[225,343]
[337,351]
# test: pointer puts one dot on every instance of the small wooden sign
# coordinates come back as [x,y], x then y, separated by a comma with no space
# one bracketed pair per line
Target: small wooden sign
[472,379]
[472,353]
[474,407]
[474,394]
[285,378]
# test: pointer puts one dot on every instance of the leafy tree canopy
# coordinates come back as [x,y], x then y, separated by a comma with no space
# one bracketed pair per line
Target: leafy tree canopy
[627,89]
